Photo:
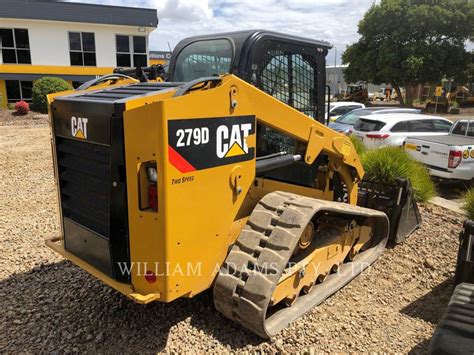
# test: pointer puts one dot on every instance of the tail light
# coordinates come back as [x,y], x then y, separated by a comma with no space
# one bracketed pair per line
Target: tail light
[152,197]
[378,135]
[148,187]
[454,159]
[152,190]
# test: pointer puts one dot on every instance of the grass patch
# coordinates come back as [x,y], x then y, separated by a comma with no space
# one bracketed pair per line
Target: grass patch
[358,145]
[389,163]
[468,203]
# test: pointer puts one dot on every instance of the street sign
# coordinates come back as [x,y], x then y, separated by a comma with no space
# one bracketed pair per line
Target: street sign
[438,93]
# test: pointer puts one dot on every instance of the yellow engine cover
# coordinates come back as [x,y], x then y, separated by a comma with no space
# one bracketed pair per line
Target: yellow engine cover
[204,151]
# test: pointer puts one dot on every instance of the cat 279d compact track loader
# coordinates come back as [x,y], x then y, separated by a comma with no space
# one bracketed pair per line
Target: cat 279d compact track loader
[222,177]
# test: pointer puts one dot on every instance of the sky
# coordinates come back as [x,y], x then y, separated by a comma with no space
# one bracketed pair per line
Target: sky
[332,20]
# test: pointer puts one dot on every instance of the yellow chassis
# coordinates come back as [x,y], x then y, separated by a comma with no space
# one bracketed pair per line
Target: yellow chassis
[56,244]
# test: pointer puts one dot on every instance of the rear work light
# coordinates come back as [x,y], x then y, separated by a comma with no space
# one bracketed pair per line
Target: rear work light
[378,135]
[454,159]
[151,173]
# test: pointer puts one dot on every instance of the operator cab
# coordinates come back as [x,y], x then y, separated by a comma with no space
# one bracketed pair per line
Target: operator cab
[290,68]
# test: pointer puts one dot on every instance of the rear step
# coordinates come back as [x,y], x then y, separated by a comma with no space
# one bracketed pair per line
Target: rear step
[244,287]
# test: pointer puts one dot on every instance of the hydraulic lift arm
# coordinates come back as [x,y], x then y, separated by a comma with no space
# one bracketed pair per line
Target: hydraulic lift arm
[318,137]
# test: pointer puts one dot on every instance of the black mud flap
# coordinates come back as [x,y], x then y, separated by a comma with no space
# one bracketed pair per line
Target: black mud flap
[465,262]
[397,201]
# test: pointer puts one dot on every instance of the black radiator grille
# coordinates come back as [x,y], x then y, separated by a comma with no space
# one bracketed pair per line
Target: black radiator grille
[84,177]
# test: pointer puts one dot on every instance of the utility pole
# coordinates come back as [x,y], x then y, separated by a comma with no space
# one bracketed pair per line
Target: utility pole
[335,55]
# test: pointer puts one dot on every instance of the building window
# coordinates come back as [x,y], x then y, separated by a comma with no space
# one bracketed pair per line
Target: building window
[15,46]
[131,51]
[18,90]
[82,48]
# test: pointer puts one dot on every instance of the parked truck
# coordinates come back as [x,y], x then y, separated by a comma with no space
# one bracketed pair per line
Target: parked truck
[448,157]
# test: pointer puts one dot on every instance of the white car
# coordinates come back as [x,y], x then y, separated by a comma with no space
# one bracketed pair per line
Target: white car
[392,129]
[337,109]
[449,157]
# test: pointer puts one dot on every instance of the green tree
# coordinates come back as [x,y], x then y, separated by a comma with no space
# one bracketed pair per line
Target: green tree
[410,42]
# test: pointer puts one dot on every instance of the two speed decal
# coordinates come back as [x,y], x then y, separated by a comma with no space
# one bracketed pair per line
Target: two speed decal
[196,144]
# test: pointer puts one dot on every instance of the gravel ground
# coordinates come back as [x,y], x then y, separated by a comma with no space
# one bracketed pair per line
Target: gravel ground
[10,118]
[47,304]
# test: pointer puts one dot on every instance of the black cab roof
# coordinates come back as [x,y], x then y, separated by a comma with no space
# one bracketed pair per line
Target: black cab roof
[243,42]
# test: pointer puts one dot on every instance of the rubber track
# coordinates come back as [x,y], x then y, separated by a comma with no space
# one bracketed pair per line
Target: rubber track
[245,284]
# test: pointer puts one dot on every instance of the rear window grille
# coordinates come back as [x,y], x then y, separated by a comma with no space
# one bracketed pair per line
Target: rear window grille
[289,78]
[84,178]
[368,125]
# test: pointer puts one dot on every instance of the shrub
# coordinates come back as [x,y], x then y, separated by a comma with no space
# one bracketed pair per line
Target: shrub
[420,179]
[22,108]
[468,203]
[389,163]
[419,102]
[45,86]
[358,145]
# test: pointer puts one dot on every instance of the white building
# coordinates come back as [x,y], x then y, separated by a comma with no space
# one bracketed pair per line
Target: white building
[73,41]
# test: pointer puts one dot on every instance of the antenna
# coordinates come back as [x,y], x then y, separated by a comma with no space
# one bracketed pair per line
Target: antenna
[169,46]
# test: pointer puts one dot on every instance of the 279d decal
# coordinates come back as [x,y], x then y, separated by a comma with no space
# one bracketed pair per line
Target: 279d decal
[197,144]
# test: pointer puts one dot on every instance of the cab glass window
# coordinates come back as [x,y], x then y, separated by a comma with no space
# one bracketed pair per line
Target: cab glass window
[352,117]
[470,130]
[421,126]
[460,128]
[364,125]
[341,110]
[441,126]
[203,58]
[400,127]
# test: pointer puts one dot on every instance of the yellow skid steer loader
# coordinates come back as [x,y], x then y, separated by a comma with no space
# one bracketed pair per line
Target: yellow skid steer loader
[222,177]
